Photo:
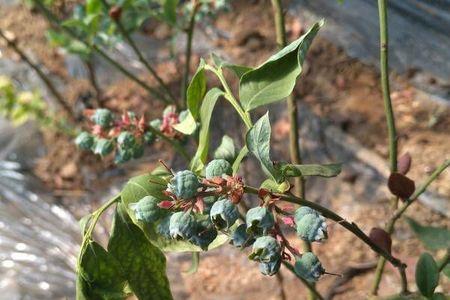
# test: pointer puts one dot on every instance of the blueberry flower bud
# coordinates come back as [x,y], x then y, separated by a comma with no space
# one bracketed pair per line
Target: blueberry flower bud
[126,140]
[266,249]
[103,147]
[171,109]
[182,225]
[148,211]
[310,225]
[270,268]
[205,234]
[309,267]
[241,238]
[84,141]
[217,168]
[184,184]
[223,214]
[259,220]
[103,117]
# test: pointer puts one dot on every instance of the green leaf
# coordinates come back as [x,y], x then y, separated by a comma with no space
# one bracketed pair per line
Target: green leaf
[427,275]
[84,222]
[100,274]
[238,70]
[275,187]
[93,6]
[170,11]
[143,185]
[258,143]
[196,91]
[434,238]
[143,263]
[187,126]
[206,110]
[275,79]
[329,170]
[226,149]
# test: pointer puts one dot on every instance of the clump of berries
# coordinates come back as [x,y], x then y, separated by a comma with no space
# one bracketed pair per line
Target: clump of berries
[198,208]
[127,135]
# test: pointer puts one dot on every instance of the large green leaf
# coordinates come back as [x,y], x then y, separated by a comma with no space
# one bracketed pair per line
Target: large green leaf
[427,275]
[226,149]
[194,96]
[329,170]
[258,143]
[434,238]
[275,79]
[200,157]
[100,276]
[143,263]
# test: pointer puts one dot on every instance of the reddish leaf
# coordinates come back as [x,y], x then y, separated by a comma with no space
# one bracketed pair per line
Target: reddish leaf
[115,12]
[404,163]
[401,186]
[165,204]
[381,238]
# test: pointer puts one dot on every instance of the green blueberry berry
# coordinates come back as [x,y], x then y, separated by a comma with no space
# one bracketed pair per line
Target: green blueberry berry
[223,214]
[205,234]
[163,227]
[310,225]
[137,151]
[309,267]
[103,117]
[266,249]
[217,168]
[149,137]
[182,225]
[122,156]
[184,184]
[208,203]
[84,141]
[241,238]
[148,211]
[270,268]
[126,140]
[259,220]
[103,147]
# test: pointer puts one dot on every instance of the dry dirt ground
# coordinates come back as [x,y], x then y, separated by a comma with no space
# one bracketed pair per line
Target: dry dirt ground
[336,87]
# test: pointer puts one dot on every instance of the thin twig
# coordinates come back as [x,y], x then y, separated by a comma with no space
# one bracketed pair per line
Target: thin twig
[140,56]
[188,50]
[54,20]
[48,83]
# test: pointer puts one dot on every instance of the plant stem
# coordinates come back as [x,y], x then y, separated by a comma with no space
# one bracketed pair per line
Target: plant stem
[390,119]
[444,261]
[188,50]
[294,138]
[310,286]
[384,66]
[53,19]
[229,96]
[397,214]
[140,56]
[48,83]
[93,80]
[352,227]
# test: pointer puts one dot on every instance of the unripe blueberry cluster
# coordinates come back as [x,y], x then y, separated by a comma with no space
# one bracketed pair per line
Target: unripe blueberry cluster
[126,135]
[197,208]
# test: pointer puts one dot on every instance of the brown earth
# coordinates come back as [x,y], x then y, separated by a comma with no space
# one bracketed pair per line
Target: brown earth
[336,87]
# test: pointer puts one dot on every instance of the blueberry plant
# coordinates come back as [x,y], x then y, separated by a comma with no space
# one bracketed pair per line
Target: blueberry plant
[202,206]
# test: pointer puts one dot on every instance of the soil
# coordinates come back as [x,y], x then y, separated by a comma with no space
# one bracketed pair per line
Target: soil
[340,89]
